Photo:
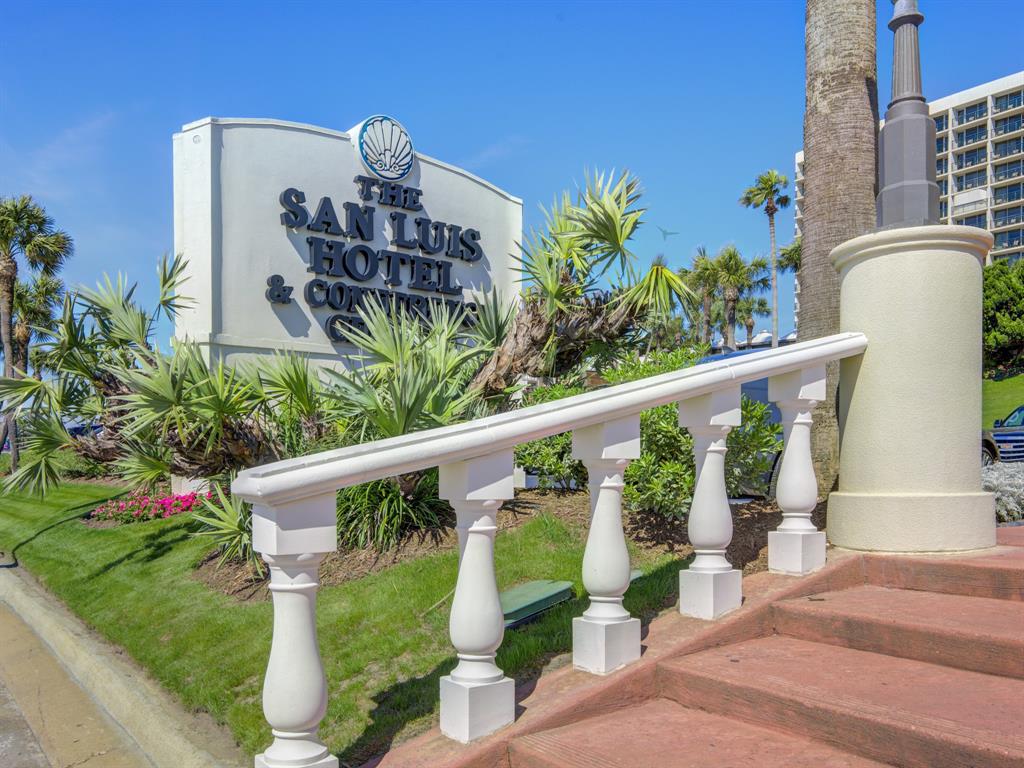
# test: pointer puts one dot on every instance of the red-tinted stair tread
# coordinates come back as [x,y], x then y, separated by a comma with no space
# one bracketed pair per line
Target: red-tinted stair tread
[997,573]
[662,734]
[893,709]
[1010,535]
[982,634]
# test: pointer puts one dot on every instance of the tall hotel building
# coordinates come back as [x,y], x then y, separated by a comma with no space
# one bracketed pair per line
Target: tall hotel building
[979,147]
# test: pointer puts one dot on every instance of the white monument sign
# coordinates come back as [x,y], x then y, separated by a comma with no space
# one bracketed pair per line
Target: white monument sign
[288,229]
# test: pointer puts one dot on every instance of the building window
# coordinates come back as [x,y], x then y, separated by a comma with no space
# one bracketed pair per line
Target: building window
[942,122]
[971,180]
[943,209]
[973,112]
[1007,101]
[978,220]
[1008,170]
[1007,125]
[942,165]
[1009,239]
[1006,217]
[1013,258]
[943,186]
[1008,147]
[1008,194]
[971,157]
[971,135]
[942,144]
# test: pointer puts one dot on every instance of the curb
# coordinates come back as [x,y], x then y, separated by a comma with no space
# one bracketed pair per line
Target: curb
[150,716]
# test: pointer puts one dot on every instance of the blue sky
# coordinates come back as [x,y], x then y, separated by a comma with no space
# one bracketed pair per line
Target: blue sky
[695,98]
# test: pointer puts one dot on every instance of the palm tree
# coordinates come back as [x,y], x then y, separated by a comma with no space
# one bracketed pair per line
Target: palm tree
[767,193]
[703,280]
[34,306]
[26,233]
[748,308]
[736,278]
[840,158]
[790,256]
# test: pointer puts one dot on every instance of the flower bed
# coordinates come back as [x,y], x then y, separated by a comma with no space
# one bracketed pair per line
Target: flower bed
[141,506]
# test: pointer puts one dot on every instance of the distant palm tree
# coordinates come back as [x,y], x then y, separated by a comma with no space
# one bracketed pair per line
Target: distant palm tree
[737,277]
[790,256]
[34,306]
[840,161]
[702,278]
[27,233]
[767,193]
[747,309]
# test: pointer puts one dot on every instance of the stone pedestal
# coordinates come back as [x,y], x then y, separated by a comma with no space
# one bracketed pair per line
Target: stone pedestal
[910,406]
[470,711]
[796,552]
[709,595]
[604,647]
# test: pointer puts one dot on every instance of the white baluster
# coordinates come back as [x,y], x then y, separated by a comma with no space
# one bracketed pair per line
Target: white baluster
[293,539]
[710,587]
[476,698]
[797,547]
[606,637]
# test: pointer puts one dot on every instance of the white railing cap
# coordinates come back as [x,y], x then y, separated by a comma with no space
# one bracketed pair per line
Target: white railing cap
[287,481]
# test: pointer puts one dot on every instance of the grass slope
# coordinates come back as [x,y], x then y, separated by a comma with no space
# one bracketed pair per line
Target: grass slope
[383,650]
[999,398]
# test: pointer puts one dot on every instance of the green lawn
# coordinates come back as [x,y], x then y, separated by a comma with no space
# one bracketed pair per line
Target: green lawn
[1000,398]
[382,650]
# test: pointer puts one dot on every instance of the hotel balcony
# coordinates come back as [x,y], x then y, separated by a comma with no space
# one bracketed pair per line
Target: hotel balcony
[1016,105]
[967,142]
[978,118]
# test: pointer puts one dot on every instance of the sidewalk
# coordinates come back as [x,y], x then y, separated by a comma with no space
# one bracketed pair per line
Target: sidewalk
[74,700]
[46,719]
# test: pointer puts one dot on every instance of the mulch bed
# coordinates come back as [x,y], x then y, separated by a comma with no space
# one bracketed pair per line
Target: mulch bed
[652,532]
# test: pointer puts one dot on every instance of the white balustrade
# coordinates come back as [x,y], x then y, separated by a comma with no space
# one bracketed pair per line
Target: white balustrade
[797,547]
[606,637]
[294,524]
[710,587]
[477,698]
[293,539]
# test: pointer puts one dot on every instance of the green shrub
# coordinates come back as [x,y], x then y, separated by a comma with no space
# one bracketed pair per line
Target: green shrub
[662,479]
[227,521]
[381,512]
[551,458]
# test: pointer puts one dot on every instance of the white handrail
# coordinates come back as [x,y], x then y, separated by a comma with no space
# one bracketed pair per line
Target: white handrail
[307,476]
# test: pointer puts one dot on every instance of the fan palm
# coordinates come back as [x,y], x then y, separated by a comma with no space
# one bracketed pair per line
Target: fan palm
[790,256]
[747,309]
[767,193]
[27,234]
[703,279]
[34,306]
[737,277]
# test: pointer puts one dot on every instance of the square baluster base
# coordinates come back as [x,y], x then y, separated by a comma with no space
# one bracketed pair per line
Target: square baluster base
[470,711]
[603,648]
[324,762]
[709,595]
[796,552]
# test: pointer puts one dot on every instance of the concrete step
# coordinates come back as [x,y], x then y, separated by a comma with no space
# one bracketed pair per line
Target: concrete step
[998,574]
[899,711]
[976,633]
[663,734]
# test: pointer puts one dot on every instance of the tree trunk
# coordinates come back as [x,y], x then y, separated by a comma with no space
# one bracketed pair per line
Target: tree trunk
[705,330]
[840,152]
[8,276]
[730,319]
[775,286]
[750,333]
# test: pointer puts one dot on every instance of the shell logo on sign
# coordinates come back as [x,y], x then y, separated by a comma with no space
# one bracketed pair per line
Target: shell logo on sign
[385,148]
